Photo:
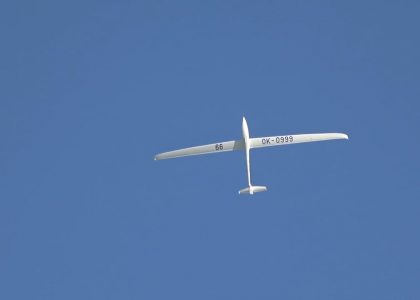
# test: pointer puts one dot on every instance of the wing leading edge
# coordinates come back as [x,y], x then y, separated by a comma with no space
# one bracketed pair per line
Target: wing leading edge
[205,149]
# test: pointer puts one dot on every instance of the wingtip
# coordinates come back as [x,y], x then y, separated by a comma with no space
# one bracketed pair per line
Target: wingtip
[343,136]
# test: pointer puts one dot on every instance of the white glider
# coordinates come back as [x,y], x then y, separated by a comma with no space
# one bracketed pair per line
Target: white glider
[247,144]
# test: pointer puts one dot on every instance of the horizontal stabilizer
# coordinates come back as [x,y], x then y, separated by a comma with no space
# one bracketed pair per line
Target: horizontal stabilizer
[253,189]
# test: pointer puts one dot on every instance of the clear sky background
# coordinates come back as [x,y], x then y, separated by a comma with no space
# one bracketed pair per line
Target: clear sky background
[92,90]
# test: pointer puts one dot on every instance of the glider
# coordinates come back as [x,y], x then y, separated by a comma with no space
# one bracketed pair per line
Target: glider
[247,143]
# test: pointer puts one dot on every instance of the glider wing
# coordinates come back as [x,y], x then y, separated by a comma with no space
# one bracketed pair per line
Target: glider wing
[205,149]
[281,140]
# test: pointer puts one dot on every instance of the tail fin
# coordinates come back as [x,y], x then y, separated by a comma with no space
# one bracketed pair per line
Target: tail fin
[253,189]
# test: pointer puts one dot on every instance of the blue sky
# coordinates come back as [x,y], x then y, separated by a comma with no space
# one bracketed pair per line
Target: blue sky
[91,91]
